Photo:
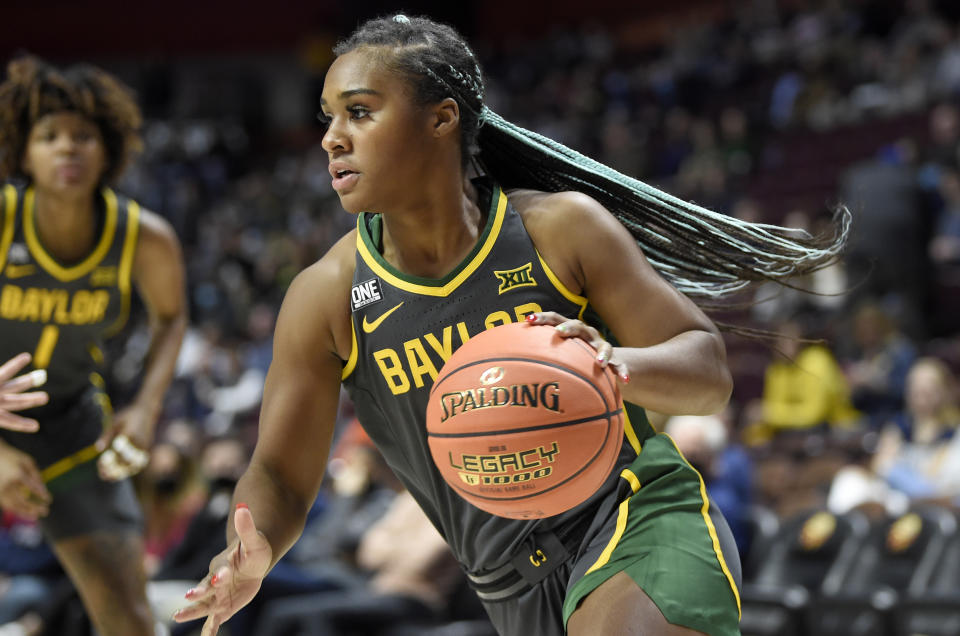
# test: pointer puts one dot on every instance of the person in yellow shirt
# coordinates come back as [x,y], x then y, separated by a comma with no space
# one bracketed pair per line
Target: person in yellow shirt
[804,386]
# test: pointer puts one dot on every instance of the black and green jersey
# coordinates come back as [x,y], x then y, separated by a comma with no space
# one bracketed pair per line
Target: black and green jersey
[62,312]
[406,327]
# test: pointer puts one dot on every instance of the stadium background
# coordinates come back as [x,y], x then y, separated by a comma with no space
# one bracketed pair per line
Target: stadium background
[768,110]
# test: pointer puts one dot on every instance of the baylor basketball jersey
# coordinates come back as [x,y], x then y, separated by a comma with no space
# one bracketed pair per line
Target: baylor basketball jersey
[61,312]
[406,327]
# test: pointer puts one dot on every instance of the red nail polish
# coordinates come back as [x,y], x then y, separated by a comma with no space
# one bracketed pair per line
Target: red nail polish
[625,377]
[531,317]
[243,505]
[214,579]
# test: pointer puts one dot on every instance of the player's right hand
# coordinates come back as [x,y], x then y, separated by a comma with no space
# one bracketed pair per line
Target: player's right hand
[21,487]
[13,398]
[234,579]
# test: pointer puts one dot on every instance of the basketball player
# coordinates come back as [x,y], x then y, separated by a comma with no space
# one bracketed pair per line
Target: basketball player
[71,249]
[13,398]
[438,257]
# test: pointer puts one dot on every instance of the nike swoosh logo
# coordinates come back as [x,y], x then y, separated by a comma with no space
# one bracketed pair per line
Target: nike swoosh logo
[18,271]
[370,327]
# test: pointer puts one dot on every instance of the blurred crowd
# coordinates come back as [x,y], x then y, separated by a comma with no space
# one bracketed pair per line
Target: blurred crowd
[778,112]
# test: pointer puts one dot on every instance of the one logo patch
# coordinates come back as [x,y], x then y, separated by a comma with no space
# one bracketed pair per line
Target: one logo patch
[513,278]
[365,293]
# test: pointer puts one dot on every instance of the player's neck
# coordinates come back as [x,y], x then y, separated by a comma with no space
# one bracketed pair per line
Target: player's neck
[433,241]
[66,224]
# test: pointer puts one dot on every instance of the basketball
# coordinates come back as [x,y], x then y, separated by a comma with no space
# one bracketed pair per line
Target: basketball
[523,423]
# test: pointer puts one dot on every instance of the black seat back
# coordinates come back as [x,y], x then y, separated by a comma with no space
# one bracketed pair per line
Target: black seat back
[812,549]
[902,553]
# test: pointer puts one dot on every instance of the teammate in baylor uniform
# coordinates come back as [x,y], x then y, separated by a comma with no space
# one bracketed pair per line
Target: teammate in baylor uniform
[437,257]
[70,251]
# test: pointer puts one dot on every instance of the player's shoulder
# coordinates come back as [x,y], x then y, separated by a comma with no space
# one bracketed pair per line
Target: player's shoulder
[156,240]
[317,303]
[150,226]
[331,275]
[548,215]
[537,202]
[153,224]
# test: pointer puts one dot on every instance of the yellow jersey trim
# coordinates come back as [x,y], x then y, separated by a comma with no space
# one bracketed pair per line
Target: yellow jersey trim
[125,272]
[622,513]
[10,198]
[630,432]
[444,290]
[47,262]
[61,466]
[96,354]
[352,360]
[711,529]
[576,299]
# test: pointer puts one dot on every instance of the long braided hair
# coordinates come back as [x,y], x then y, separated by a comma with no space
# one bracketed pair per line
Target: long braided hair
[706,255]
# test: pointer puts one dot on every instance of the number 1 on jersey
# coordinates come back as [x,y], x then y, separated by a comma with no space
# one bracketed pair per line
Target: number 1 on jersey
[48,340]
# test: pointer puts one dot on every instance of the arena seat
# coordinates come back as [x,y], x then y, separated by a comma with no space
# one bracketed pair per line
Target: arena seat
[935,611]
[811,554]
[762,526]
[899,559]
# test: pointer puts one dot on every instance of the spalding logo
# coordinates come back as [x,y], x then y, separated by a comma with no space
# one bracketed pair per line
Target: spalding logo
[533,395]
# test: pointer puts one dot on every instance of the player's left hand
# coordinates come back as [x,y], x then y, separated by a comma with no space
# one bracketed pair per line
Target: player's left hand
[572,328]
[124,445]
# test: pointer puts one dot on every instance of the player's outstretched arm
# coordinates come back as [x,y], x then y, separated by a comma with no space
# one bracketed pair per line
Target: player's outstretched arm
[297,417]
[13,398]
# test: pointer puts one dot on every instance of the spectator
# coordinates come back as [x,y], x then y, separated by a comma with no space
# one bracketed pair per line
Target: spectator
[877,367]
[804,387]
[29,570]
[170,499]
[884,196]
[917,457]
[919,454]
[945,243]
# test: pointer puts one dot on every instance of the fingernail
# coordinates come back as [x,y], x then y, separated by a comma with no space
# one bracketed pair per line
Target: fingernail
[602,359]
[532,317]
[176,614]
[243,505]
[214,579]
[190,593]
[625,377]
[562,328]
